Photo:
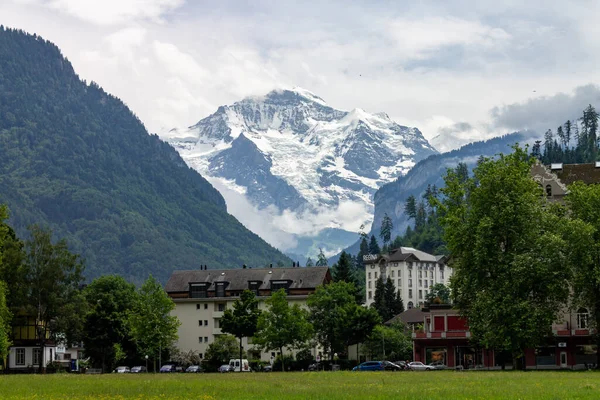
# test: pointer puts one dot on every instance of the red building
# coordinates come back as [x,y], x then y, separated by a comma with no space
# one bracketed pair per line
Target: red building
[445,339]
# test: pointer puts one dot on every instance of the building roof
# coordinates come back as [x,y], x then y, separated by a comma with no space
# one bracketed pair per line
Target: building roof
[586,173]
[406,254]
[411,316]
[300,278]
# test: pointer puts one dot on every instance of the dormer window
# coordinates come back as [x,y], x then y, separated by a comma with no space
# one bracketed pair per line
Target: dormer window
[199,290]
[220,289]
[278,285]
[549,190]
[253,286]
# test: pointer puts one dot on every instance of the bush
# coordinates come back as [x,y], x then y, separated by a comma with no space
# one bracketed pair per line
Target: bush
[288,361]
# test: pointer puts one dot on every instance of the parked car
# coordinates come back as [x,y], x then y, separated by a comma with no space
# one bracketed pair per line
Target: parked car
[267,368]
[194,368]
[419,366]
[122,370]
[370,366]
[225,368]
[168,368]
[390,366]
[138,368]
[315,367]
[236,365]
[402,364]
[438,365]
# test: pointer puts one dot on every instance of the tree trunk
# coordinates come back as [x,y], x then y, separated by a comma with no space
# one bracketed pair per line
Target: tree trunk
[240,355]
[41,360]
[282,362]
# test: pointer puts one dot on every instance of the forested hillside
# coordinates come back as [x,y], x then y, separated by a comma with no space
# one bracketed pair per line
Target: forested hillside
[76,159]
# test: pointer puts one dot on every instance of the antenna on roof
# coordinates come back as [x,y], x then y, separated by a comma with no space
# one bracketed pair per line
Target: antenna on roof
[244,266]
[293,264]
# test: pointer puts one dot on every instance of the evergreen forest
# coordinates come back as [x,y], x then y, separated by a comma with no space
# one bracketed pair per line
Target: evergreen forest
[76,160]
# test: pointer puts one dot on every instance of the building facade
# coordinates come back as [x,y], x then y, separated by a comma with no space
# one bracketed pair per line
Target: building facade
[413,272]
[445,339]
[26,353]
[201,297]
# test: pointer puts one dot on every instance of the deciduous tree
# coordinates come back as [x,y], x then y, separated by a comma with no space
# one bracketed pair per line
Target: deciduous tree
[282,325]
[242,320]
[509,279]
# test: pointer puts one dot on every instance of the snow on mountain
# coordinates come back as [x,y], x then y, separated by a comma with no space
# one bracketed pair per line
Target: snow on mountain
[300,160]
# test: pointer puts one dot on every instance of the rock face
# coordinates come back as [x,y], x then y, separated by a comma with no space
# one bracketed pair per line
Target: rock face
[289,149]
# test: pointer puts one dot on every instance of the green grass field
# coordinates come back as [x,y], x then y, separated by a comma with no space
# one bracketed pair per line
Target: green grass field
[299,385]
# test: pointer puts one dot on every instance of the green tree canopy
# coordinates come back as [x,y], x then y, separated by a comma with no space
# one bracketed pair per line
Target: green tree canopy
[111,300]
[152,326]
[221,350]
[391,343]
[5,324]
[242,320]
[509,278]
[321,259]
[385,232]
[282,325]
[374,246]
[438,291]
[53,276]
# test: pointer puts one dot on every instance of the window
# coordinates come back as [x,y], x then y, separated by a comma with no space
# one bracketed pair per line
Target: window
[582,318]
[426,283]
[548,190]
[410,282]
[20,356]
[197,306]
[216,323]
[200,339]
[370,294]
[369,284]
[431,274]
[420,294]
[278,285]
[410,305]
[400,292]
[205,339]
[375,275]
[205,323]
[206,306]
[254,286]
[441,273]
[430,283]
[369,275]
[399,282]
[199,322]
[392,273]
[67,356]
[421,282]
[198,290]
[410,293]
[410,273]
[200,356]
[37,356]
[420,274]
[221,307]
[220,291]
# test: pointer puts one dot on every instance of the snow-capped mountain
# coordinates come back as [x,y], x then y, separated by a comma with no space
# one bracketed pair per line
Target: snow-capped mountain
[292,154]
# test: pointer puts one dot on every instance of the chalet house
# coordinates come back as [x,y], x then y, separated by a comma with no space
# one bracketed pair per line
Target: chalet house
[25,354]
[201,296]
[413,272]
[555,178]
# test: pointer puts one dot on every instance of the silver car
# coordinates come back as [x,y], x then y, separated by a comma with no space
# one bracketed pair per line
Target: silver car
[419,366]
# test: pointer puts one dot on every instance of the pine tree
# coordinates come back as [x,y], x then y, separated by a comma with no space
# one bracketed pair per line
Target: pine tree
[379,299]
[410,207]
[561,135]
[390,297]
[364,250]
[386,229]
[373,246]
[567,130]
[310,262]
[421,216]
[342,270]
[322,260]
[398,305]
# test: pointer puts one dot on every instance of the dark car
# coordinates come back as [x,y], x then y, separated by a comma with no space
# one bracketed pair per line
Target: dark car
[390,366]
[122,370]
[315,367]
[194,368]
[138,369]
[168,368]
[225,368]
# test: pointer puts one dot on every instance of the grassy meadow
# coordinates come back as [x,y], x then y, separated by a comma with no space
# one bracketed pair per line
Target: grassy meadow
[307,385]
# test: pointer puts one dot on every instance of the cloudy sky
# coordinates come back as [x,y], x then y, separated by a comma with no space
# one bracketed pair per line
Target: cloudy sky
[462,68]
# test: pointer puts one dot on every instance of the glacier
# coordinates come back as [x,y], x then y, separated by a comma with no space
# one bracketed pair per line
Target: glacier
[305,168]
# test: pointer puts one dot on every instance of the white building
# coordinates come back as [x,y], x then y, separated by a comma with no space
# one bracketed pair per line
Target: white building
[413,272]
[201,297]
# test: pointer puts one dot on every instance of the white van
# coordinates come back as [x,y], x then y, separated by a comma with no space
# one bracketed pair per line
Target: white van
[234,365]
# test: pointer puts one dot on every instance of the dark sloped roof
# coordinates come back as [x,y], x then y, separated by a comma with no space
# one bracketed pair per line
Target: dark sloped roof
[404,254]
[301,278]
[586,173]
[412,316]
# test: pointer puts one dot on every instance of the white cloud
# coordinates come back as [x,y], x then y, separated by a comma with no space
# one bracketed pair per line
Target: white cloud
[113,12]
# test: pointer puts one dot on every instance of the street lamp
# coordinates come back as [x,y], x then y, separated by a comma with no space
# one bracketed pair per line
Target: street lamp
[146,357]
